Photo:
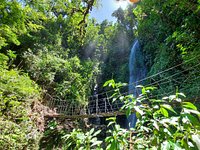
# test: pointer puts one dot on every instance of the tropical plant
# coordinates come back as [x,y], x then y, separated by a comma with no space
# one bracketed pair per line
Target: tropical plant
[117,137]
[78,140]
[169,36]
[167,123]
[17,93]
[52,137]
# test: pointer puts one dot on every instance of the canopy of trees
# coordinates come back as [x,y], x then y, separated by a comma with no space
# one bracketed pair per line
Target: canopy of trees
[169,34]
[52,49]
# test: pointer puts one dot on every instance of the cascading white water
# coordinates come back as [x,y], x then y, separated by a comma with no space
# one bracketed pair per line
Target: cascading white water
[137,72]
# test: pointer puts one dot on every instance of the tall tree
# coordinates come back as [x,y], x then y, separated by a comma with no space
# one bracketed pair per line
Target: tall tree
[169,33]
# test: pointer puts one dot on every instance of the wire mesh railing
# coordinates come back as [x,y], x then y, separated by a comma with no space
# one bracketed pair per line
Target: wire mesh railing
[102,102]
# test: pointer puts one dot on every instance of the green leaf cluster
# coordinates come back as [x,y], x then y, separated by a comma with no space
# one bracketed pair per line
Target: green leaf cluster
[167,123]
[17,92]
[169,35]
[79,140]
[44,40]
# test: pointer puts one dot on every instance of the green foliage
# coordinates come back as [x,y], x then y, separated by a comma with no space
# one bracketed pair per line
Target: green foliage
[77,140]
[167,123]
[62,51]
[52,137]
[15,21]
[44,38]
[53,56]
[169,35]
[47,38]
[118,137]
[17,92]
[3,61]
[68,78]
[18,135]
[12,83]
[56,137]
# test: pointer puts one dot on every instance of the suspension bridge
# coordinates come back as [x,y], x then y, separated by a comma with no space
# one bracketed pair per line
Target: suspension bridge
[102,105]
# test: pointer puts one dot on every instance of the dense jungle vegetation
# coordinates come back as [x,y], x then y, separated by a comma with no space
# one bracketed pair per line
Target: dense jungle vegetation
[52,48]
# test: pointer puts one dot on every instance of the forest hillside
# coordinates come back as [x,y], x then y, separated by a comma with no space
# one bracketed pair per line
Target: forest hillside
[53,49]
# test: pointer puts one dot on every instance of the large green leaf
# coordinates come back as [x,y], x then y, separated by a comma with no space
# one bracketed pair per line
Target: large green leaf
[165,145]
[194,120]
[189,105]
[164,112]
[139,110]
[196,139]
[169,107]
[191,111]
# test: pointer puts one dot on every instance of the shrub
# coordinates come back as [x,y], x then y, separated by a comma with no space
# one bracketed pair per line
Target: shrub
[17,92]
[167,123]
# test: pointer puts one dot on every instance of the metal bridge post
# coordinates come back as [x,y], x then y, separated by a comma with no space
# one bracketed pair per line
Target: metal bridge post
[105,104]
[96,104]
[107,98]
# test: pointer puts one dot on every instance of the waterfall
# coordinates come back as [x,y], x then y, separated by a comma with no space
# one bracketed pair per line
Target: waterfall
[137,72]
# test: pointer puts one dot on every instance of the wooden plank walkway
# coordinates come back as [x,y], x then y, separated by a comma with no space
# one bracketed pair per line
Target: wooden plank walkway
[107,114]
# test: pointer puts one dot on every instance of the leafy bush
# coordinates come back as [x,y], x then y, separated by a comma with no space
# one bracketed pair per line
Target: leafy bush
[118,137]
[168,32]
[12,83]
[17,93]
[65,78]
[14,135]
[160,126]
[167,123]
[52,137]
[78,140]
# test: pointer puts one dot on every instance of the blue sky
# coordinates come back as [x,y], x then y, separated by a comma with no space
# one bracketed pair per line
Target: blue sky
[106,9]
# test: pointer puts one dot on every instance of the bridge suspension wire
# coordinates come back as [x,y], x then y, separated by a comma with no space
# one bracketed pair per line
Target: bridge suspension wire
[73,111]
[102,102]
[173,80]
[104,105]
[173,91]
[117,105]
[173,75]
[149,77]
[170,81]
[151,84]
[166,94]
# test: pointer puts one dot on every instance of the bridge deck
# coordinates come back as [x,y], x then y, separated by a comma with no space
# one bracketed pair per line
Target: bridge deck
[106,114]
